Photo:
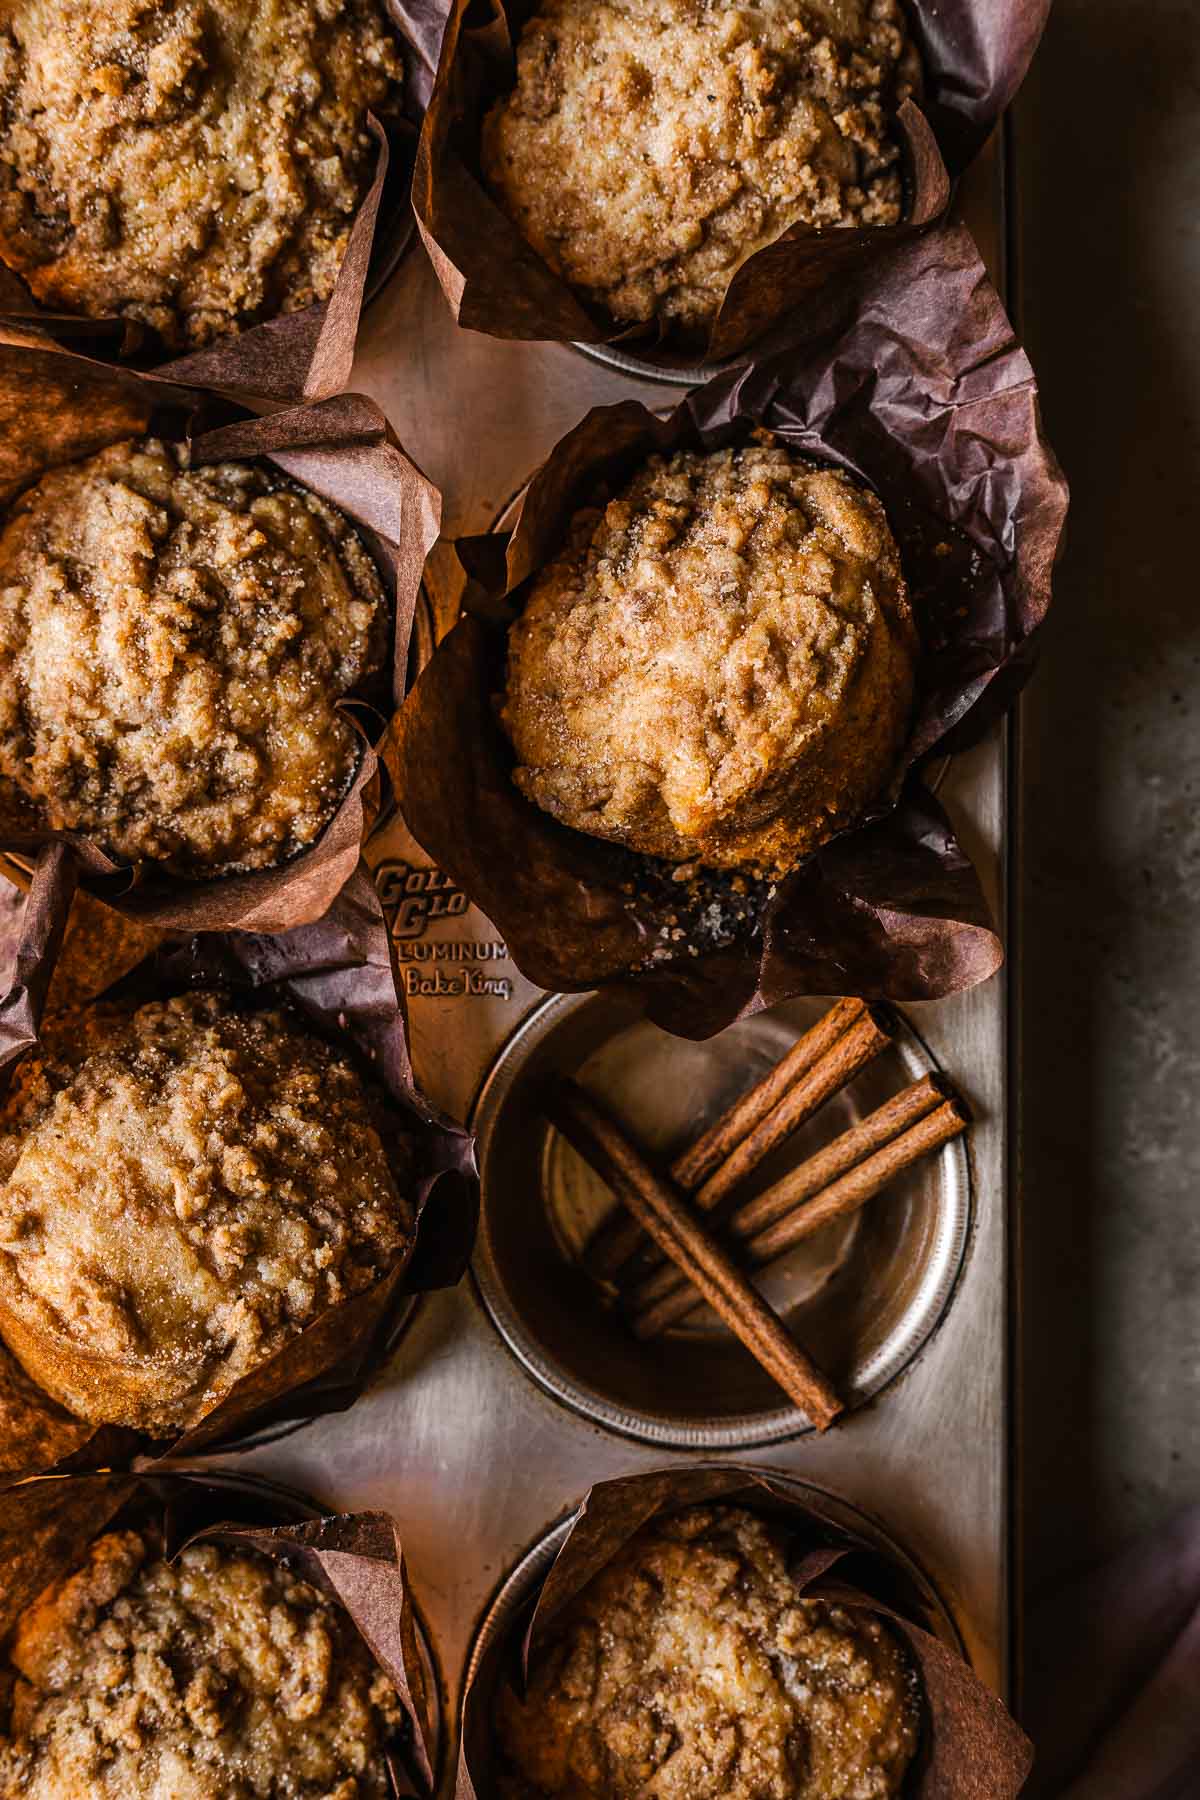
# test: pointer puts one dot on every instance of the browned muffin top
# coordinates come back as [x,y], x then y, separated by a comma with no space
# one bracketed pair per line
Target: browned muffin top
[184,1187]
[650,146]
[192,164]
[220,1676]
[689,1669]
[719,666]
[174,643]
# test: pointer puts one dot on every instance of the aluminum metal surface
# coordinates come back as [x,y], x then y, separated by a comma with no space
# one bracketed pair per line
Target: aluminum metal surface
[472,1456]
[613,357]
[864,1295]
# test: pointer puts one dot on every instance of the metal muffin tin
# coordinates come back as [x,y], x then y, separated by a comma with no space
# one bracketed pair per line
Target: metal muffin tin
[864,1295]
[641,369]
[474,1437]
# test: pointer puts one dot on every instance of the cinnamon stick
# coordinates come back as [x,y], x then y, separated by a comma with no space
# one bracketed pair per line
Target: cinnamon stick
[619,1237]
[661,1211]
[865,1039]
[695,1164]
[808,1178]
[835,1201]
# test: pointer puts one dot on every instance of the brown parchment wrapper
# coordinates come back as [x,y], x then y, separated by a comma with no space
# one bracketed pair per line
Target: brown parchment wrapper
[974,57]
[304,355]
[340,973]
[55,408]
[354,1558]
[970,1747]
[923,392]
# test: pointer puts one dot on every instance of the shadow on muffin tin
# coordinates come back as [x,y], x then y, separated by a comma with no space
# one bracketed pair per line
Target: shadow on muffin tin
[286,1428]
[863,1296]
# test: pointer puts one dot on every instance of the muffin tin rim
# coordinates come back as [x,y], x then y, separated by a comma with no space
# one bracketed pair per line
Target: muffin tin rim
[745,1431]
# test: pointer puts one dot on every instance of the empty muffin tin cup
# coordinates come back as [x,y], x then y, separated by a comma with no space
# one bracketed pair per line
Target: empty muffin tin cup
[863,1296]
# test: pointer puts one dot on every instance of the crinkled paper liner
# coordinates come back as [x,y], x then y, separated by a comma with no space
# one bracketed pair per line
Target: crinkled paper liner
[304,355]
[354,1558]
[57,408]
[975,54]
[970,1747]
[340,973]
[923,392]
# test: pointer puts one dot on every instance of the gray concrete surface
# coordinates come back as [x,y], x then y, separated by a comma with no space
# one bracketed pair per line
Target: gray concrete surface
[1108,145]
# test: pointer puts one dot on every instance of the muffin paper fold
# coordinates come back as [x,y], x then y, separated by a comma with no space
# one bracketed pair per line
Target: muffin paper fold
[970,1747]
[922,391]
[340,975]
[975,57]
[305,355]
[355,1559]
[56,408]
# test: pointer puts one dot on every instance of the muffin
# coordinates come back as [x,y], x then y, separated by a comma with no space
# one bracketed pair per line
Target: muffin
[34,1433]
[648,149]
[185,1186]
[689,1669]
[194,165]
[174,646]
[718,668]
[220,1676]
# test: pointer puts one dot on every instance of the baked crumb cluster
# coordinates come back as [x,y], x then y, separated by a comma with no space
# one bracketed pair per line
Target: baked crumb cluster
[191,164]
[174,643]
[184,1187]
[688,1669]
[719,665]
[649,147]
[220,1676]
